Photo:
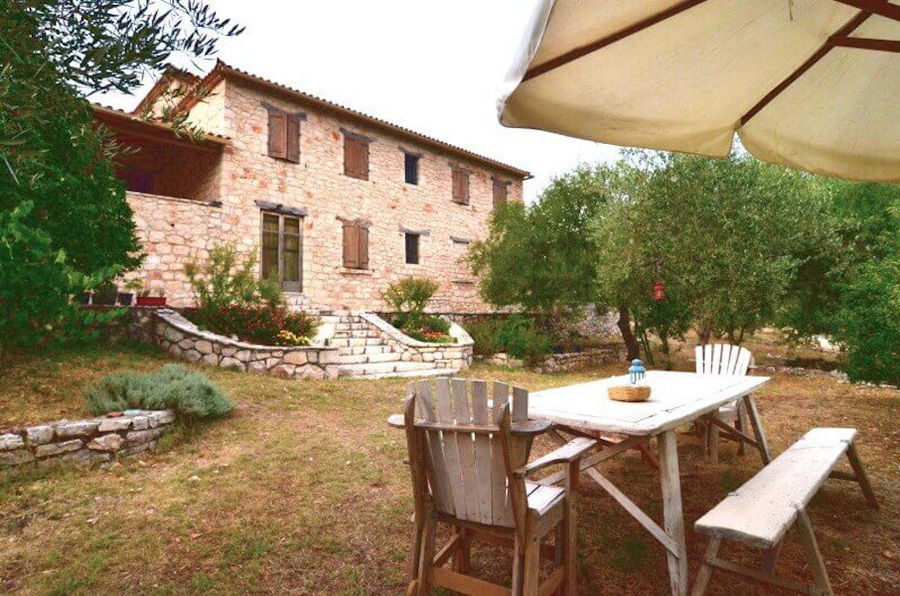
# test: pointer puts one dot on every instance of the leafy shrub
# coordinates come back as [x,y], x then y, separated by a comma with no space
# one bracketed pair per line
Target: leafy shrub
[224,281]
[173,387]
[867,322]
[408,299]
[484,334]
[436,324]
[260,324]
[521,338]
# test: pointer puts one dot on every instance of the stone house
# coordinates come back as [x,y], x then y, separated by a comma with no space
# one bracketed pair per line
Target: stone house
[336,203]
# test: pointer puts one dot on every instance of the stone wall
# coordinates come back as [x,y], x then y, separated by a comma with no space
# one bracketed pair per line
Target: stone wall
[457,355]
[566,362]
[181,338]
[574,361]
[85,441]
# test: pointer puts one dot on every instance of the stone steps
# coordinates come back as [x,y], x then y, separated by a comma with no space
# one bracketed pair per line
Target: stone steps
[376,368]
[365,358]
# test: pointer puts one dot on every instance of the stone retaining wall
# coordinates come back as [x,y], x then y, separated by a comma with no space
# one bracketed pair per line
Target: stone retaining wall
[456,355]
[84,441]
[570,361]
[178,336]
[574,361]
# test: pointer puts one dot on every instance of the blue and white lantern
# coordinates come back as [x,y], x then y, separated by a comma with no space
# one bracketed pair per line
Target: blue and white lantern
[636,372]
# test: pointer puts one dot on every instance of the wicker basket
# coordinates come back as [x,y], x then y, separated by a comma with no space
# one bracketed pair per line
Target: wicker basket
[629,393]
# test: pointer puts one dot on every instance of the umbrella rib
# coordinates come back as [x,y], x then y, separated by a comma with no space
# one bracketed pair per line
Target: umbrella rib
[880,7]
[865,43]
[842,33]
[586,49]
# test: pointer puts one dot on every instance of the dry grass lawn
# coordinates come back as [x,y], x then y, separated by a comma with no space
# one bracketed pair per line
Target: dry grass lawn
[303,490]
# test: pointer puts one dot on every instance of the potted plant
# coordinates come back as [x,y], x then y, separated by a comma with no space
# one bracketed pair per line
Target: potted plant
[105,293]
[145,299]
[127,298]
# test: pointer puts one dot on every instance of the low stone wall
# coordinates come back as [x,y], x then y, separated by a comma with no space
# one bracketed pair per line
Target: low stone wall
[456,355]
[574,361]
[570,361]
[179,337]
[85,441]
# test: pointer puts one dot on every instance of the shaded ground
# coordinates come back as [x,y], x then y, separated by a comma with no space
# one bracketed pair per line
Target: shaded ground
[303,490]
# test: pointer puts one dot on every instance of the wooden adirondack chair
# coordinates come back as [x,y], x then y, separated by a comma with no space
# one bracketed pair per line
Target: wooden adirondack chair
[724,359]
[468,467]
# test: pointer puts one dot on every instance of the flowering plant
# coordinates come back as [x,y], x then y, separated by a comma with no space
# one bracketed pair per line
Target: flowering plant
[287,338]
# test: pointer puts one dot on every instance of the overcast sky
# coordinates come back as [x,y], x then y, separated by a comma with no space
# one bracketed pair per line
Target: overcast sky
[435,67]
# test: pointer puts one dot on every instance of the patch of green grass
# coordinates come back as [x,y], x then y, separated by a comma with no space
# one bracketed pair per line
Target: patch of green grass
[631,555]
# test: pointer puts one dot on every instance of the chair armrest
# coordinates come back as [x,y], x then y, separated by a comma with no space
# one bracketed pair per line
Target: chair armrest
[571,451]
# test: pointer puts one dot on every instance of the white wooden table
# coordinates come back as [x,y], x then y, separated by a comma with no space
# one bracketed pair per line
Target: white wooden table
[677,398]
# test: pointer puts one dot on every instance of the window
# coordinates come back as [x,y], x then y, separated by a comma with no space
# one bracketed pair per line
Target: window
[282,242]
[356,155]
[500,193]
[284,135]
[460,186]
[411,167]
[412,248]
[356,246]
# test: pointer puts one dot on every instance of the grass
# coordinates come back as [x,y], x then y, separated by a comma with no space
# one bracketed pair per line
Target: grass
[303,490]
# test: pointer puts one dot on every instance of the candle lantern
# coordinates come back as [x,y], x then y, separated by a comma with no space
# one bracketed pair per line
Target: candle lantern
[659,291]
[636,372]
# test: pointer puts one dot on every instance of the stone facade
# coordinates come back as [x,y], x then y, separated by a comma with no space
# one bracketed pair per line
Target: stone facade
[175,231]
[565,362]
[85,441]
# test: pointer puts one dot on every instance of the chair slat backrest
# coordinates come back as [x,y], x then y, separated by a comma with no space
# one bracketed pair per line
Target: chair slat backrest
[722,359]
[466,471]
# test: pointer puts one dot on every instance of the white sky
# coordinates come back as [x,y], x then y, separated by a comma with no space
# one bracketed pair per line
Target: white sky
[433,66]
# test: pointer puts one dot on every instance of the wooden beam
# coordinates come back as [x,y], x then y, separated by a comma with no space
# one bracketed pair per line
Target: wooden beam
[864,43]
[586,49]
[843,32]
[880,7]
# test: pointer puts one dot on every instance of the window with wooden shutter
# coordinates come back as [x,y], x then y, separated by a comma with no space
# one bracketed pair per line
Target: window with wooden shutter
[461,186]
[356,246]
[356,156]
[282,250]
[278,128]
[500,193]
[284,134]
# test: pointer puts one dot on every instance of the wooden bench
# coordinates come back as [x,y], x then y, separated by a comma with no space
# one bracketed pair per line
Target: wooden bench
[761,511]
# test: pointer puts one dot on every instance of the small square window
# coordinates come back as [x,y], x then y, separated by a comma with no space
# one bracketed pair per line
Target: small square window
[412,249]
[411,167]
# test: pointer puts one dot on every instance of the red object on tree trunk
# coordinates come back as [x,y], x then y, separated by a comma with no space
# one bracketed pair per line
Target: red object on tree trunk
[659,291]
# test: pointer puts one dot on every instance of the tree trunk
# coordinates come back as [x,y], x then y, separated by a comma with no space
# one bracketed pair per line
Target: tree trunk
[631,343]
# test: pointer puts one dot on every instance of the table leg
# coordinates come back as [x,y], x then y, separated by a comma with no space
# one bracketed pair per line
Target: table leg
[673,516]
[758,432]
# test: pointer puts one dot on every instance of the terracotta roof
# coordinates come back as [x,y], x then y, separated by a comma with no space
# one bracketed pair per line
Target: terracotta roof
[110,114]
[169,73]
[222,70]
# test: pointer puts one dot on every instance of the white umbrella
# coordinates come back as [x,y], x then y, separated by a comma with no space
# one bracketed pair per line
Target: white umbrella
[810,84]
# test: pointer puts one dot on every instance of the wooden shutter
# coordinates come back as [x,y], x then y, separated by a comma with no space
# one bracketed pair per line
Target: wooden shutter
[461,186]
[293,139]
[278,134]
[356,157]
[363,236]
[351,246]
[500,193]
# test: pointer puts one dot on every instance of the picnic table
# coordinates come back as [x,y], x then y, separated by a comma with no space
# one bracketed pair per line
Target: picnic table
[677,399]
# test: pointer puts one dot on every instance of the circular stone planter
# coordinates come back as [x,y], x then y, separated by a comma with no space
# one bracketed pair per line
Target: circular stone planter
[178,336]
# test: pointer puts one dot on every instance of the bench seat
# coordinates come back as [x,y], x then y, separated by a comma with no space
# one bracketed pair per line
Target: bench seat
[761,511]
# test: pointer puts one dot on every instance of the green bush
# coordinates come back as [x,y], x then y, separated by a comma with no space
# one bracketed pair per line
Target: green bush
[436,324]
[521,338]
[225,281]
[868,324]
[408,299]
[191,395]
[484,334]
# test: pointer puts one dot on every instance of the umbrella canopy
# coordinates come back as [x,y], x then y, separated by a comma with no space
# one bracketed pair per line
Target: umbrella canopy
[810,84]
